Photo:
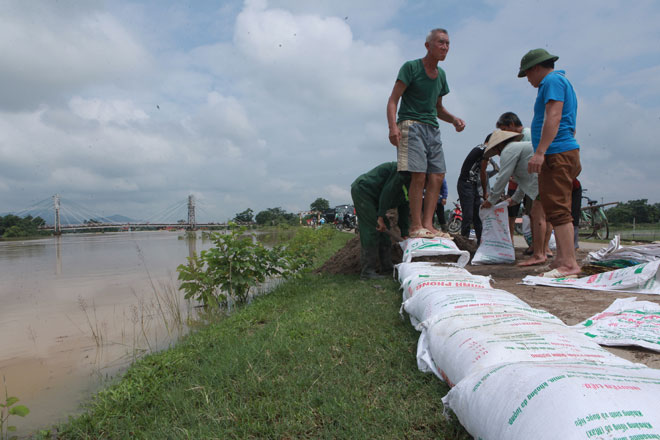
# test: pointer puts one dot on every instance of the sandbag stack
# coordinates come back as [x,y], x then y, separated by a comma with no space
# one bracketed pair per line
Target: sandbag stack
[518,372]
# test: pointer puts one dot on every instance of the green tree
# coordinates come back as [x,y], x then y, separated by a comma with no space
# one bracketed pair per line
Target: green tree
[245,216]
[320,205]
[638,211]
[235,265]
[276,216]
[14,226]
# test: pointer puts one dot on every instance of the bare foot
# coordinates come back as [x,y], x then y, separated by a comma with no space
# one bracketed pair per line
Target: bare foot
[534,260]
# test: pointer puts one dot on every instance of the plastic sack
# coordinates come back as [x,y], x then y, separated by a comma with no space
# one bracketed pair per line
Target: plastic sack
[406,270]
[549,401]
[625,322]
[462,343]
[431,302]
[642,278]
[552,243]
[418,247]
[527,229]
[418,283]
[496,246]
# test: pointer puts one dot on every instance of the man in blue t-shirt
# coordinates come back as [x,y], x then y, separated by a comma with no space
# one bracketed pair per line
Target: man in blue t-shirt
[420,86]
[556,156]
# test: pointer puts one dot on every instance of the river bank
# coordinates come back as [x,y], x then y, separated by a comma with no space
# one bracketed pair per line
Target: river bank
[326,355]
[321,356]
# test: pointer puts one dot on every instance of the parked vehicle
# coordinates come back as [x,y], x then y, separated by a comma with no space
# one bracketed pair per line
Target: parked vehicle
[330,215]
[349,221]
[455,219]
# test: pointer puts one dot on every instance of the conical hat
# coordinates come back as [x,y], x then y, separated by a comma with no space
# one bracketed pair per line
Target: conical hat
[497,138]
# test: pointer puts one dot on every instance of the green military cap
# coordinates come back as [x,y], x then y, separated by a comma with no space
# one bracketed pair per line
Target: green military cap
[534,57]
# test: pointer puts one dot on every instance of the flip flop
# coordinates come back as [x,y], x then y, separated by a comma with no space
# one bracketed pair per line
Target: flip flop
[554,273]
[441,234]
[422,233]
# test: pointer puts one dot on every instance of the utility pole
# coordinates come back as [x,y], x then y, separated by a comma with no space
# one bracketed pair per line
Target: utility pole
[58,226]
[191,212]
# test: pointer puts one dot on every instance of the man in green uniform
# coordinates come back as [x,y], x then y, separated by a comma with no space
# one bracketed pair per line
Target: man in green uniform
[374,193]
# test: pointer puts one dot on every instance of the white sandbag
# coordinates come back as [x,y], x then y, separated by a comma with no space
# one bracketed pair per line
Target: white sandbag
[527,229]
[461,343]
[430,302]
[614,251]
[406,270]
[418,247]
[418,283]
[642,278]
[496,246]
[550,401]
[552,243]
[602,253]
[625,322]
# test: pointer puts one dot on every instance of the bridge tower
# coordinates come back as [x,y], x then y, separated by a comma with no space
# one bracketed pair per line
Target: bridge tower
[191,212]
[56,203]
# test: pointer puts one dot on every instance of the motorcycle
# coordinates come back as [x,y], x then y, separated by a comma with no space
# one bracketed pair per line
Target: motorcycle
[455,219]
[348,222]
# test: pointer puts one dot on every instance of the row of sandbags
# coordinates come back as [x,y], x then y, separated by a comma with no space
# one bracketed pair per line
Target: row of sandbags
[518,372]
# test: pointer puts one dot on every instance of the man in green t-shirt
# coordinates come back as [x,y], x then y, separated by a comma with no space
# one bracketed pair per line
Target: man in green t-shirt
[420,86]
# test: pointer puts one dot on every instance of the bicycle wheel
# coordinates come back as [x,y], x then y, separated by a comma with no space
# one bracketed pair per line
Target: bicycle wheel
[585,229]
[454,226]
[601,227]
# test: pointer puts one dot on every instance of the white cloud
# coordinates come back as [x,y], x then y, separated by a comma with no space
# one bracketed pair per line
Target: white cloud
[118,111]
[48,50]
[286,102]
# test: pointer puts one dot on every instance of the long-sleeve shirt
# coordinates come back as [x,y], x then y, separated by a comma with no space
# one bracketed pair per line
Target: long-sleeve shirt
[513,162]
[387,186]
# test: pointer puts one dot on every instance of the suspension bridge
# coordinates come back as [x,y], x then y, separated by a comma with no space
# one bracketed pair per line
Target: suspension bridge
[61,215]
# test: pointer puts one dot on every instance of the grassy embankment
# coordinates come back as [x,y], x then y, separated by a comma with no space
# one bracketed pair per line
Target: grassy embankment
[320,357]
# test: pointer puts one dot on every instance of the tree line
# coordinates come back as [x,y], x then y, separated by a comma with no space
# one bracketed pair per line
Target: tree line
[14,226]
[639,211]
[278,216]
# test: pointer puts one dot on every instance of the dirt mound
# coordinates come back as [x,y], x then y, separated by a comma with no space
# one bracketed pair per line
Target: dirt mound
[347,260]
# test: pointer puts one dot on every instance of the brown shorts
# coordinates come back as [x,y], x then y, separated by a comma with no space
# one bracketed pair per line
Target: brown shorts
[556,185]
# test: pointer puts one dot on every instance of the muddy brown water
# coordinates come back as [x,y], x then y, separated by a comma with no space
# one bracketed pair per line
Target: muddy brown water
[78,309]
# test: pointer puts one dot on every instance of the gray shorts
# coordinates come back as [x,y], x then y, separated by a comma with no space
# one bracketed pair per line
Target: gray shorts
[420,149]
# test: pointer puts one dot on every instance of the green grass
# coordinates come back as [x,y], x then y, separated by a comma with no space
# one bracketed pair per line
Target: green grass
[320,357]
[640,232]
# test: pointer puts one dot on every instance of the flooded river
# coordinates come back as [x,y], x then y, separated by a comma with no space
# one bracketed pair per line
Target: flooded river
[77,309]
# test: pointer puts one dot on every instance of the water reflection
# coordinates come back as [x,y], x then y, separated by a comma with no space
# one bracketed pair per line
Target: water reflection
[58,255]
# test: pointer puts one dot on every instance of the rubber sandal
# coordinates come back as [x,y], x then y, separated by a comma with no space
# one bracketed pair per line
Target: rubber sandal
[554,273]
[441,234]
[422,233]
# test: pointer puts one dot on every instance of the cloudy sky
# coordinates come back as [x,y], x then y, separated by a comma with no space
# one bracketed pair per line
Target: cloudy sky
[127,107]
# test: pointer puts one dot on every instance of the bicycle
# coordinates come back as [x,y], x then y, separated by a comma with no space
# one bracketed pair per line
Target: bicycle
[593,221]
